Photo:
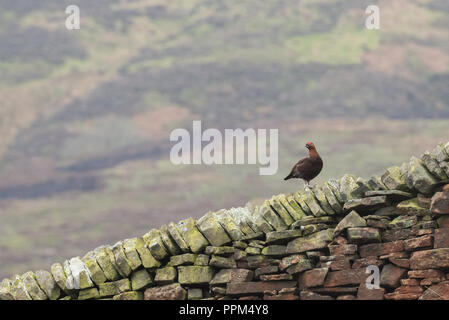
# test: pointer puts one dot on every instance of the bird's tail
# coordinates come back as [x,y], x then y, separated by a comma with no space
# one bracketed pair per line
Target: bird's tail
[288,177]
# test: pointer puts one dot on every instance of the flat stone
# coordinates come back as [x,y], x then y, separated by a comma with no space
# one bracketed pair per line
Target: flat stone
[212,230]
[86,294]
[411,207]
[131,295]
[276,277]
[47,284]
[413,244]
[313,228]
[314,241]
[194,294]
[345,277]
[312,278]
[141,279]
[366,205]
[195,275]
[202,260]
[426,274]
[343,249]
[276,237]
[169,292]
[266,270]
[165,275]
[182,259]
[274,250]
[242,288]
[220,251]
[309,295]
[291,260]
[302,265]
[351,220]
[113,288]
[403,222]
[190,233]
[222,262]
[363,235]
[311,220]
[378,249]
[232,275]
[430,259]
[393,195]
[363,293]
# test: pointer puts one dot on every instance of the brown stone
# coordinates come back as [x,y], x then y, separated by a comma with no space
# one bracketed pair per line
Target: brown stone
[312,278]
[363,235]
[390,275]
[344,249]
[409,282]
[441,238]
[290,296]
[340,264]
[418,243]
[440,203]
[424,201]
[430,259]
[276,277]
[405,293]
[396,234]
[309,295]
[364,293]
[368,261]
[169,292]
[423,274]
[400,262]
[237,288]
[335,290]
[377,249]
[437,292]
[345,277]
[346,297]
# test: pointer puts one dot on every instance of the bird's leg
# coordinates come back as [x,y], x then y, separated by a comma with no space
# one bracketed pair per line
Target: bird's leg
[306,185]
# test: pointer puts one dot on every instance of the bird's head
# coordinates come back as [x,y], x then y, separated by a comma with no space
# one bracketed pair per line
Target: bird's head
[310,145]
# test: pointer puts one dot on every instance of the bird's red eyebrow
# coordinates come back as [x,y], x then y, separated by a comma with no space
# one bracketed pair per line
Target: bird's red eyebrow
[309,142]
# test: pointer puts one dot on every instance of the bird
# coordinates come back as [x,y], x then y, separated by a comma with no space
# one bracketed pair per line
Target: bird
[307,168]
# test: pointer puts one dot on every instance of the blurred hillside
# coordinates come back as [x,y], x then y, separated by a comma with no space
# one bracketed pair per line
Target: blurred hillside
[85,115]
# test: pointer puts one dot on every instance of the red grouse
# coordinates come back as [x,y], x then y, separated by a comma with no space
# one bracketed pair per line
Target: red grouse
[307,168]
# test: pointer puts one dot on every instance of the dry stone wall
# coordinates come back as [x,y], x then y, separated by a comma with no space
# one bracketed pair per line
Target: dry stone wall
[312,244]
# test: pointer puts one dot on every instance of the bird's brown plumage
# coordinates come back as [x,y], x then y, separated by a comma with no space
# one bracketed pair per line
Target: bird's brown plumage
[307,168]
